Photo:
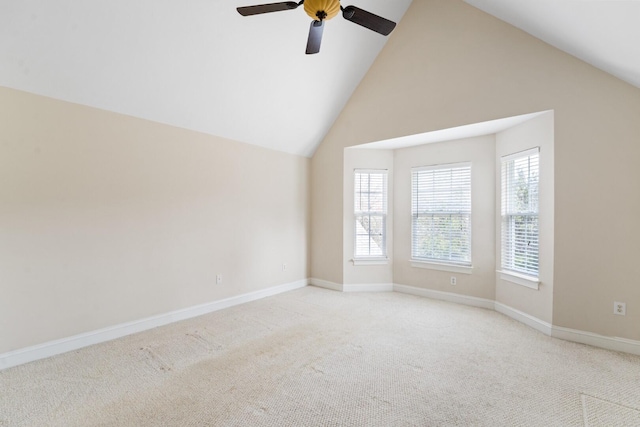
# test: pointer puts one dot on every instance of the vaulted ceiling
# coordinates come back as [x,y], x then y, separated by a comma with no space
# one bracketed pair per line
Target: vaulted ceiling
[200,65]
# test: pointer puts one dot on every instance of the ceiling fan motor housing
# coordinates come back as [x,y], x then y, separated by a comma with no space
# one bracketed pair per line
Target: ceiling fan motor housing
[322,10]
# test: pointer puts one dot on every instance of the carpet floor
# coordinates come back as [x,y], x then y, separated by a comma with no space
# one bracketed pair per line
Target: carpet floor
[314,357]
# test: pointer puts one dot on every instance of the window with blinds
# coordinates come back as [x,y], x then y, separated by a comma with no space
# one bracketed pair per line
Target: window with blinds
[370,213]
[520,176]
[441,214]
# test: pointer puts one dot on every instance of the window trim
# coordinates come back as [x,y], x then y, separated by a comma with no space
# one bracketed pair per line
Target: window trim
[439,264]
[430,265]
[520,279]
[515,276]
[371,260]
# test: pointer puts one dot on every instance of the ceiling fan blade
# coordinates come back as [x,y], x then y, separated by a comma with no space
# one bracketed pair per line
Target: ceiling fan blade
[266,8]
[368,20]
[315,37]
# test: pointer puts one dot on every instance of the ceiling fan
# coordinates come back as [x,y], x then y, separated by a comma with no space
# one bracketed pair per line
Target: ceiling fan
[320,11]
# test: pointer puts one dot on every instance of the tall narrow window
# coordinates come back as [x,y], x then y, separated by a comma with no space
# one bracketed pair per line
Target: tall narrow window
[441,211]
[370,213]
[520,212]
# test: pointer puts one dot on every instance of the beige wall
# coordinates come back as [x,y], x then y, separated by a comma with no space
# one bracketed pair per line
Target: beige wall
[327,214]
[448,64]
[106,219]
[537,132]
[355,158]
[480,152]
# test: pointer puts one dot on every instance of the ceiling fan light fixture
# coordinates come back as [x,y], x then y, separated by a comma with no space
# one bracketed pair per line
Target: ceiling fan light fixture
[322,10]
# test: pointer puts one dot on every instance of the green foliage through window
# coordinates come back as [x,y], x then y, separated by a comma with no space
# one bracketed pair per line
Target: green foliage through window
[519,209]
[441,214]
[370,210]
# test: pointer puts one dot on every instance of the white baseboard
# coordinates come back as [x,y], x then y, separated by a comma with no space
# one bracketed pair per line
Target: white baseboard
[368,287]
[610,343]
[52,348]
[522,317]
[325,284]
[445,296]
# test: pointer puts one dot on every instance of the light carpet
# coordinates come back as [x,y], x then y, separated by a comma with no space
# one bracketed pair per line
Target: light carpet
[314,357]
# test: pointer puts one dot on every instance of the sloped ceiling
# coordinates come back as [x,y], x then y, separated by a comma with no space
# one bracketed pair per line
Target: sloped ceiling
[194,64]
[603,33]
[200,65]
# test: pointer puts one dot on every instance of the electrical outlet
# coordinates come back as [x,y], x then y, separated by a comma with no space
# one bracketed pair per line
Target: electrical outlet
[218,279]
[284,267]
[620,308]
[454,281]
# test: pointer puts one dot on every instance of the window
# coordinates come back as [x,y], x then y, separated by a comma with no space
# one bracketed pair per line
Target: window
[370,212]
[520,212]
[441,211]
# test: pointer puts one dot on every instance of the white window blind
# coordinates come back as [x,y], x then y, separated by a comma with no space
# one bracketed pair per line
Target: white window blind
[520,176]
[441,211]
[370,213]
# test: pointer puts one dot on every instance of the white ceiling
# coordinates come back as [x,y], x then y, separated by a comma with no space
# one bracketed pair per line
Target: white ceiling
[195,64]
[201,66]
[604,33]
[460,132]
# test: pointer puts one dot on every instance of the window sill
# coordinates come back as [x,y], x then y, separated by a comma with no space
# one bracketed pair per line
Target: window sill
[463,269]
[520,279]
[370,261]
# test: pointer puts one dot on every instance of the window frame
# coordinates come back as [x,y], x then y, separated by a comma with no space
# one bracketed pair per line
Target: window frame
[360,259]
[508,270]
[448,264]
